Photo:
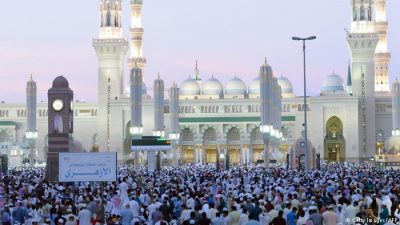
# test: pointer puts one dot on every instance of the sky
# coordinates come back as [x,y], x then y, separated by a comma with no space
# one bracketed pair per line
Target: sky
[48,38]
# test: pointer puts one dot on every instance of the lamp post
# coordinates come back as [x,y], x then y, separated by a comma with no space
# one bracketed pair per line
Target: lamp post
[266,130]
[305,95]
[31,137]
[136,133]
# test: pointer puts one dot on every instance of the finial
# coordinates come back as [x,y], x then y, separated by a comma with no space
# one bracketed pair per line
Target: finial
[196,63]
[212,76]
[31,77]
[333,71]
[265,62]
[235,75]
[158,75]
[173,84]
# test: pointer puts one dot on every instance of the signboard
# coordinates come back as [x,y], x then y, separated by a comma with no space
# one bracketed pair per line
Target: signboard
[76,167]
[151,143]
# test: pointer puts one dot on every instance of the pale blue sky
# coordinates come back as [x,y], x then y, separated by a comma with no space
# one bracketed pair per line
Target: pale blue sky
[49,38]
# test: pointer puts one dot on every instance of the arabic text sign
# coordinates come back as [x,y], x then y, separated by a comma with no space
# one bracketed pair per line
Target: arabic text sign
[87,167]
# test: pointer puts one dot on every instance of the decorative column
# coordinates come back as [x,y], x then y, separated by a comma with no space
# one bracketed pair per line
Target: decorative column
[31,131]
[174,119]
[158,92]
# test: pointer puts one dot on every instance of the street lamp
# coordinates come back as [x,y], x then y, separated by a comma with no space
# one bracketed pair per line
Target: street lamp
[31,137]
[305,95]
[266,131]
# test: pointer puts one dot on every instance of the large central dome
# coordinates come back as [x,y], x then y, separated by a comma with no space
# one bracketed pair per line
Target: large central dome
[189,87]
[285,85]
[235,87]
[254,87]
[212,87]
[332,84]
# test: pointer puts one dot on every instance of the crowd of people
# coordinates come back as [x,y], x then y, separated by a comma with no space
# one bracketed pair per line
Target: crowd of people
[347,194]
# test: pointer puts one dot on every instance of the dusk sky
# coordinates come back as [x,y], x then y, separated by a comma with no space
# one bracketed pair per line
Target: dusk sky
[48,38]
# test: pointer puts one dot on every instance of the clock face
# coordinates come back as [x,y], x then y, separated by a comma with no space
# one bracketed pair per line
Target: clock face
[58,105]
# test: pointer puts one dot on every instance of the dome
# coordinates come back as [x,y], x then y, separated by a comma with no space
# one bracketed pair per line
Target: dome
[235,87]
[254,87]
[212,87]
[189,87]
[285,85]
[60,82]
[127,90]
[332,83]
[393,145]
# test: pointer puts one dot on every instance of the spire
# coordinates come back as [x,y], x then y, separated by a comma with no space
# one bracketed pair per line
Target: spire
[265,61]
[349,76]
[196,75]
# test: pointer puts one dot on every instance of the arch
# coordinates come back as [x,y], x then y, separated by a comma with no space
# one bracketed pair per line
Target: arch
[128,141]
[334,142]
[188,146]
[234,147]
[256,145]
[210,145]
[5,136]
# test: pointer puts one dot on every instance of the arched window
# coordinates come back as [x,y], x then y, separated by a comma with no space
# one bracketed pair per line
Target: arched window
[355,14]
[108,20]
[58,124]
[116,21]
[369,13]
[362,13]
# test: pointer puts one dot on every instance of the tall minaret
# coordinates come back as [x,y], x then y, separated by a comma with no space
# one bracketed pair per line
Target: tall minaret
[266,109]
[396,108]
[111,48]
[158,92]
[382,54]
[136,82]
[136,33]
[31,130]
[174,119]
[362,41]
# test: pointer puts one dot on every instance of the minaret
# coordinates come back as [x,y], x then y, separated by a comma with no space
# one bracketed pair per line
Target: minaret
[111,48]
[362,41]
[266,109]
[31,130]
[136,33]
[396,108]
[174,119]
[136,82]
[382,54]
[158,92]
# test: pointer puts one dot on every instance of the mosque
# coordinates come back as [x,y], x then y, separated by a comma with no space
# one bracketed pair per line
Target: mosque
[349,121]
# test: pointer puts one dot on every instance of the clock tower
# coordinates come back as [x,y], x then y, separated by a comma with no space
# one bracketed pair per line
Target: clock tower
[60,124]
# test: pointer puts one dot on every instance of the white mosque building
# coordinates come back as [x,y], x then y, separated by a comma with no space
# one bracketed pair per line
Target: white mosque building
[348,121]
